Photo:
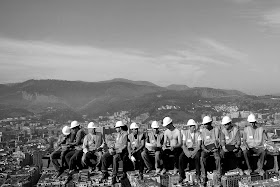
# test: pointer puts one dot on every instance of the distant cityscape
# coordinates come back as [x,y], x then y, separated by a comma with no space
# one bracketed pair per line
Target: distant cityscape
[24,140]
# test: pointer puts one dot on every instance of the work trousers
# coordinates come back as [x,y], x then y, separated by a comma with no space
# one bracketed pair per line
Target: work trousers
[59,154]
[184,160]
[259,151]
[204,156]
[165,157]
[237,156]
[93,155]
[107,159]
[139,161]
[74,159]
[147,159]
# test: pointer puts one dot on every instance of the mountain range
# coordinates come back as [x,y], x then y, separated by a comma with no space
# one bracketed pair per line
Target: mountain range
[101,98]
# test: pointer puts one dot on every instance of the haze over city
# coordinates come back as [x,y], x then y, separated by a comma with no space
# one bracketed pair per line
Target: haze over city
[228,44]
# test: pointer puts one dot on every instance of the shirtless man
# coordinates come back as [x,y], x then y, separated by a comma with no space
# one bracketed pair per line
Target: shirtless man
[171,144]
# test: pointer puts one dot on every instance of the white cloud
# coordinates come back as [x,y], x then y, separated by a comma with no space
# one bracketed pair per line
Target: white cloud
[271,18]
[209,52]
[240,1]
[21,60]
[222,50]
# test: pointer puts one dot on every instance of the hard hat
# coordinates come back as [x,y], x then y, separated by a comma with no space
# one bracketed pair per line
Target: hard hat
[251,118]
[206,120]
[155,125]
[119,124]
[226,120]
[74,124]
[191,122]
[66,130]
[166,121]
[91,125]
[134,126]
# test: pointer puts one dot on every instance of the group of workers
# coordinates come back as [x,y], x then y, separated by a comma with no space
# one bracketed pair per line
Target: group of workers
[152,149]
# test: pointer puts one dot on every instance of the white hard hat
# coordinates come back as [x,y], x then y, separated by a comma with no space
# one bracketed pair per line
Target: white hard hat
[166,121]
[66,130]
[91,125]
[191,122]
[251,118]
[206,120]
[74,124]
[134,126]
[119,124]
[226,120]
[155,125]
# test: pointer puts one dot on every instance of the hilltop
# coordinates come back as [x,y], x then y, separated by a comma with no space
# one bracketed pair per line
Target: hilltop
[101,98]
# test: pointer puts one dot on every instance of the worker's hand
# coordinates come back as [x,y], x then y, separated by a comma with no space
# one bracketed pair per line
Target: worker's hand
[215,150]
[112,151]
[193,154]
[206,150]
[84,158]
[171,148]
[224,149]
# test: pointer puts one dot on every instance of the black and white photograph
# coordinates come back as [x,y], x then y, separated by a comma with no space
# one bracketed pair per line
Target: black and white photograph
[139,93]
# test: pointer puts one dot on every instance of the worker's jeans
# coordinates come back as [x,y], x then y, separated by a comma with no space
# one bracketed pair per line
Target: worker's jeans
[165,157]
[204,156]
[259,151]
[93,155]
[147,159]
[107,159]
[184,160]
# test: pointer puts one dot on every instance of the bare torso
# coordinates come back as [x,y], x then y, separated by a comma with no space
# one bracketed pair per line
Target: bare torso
[172,137]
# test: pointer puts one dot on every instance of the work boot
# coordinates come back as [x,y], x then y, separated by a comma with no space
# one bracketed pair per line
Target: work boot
[105,176]
[240,171]
[260,171]
[114,180]
[203,181]
[158,171]
[175,171]
[248,171]
[68,179]
[60,172]
[181,180]
[197,179]
[163,171]
[148,171]
[140,176]
[123,176]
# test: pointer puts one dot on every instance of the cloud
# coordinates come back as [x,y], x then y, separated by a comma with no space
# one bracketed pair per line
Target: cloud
[271,18]
[241,1]
[21,60]
[217,48]
[209,52]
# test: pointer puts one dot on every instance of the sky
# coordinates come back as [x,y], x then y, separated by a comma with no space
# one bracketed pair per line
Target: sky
[227,44]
